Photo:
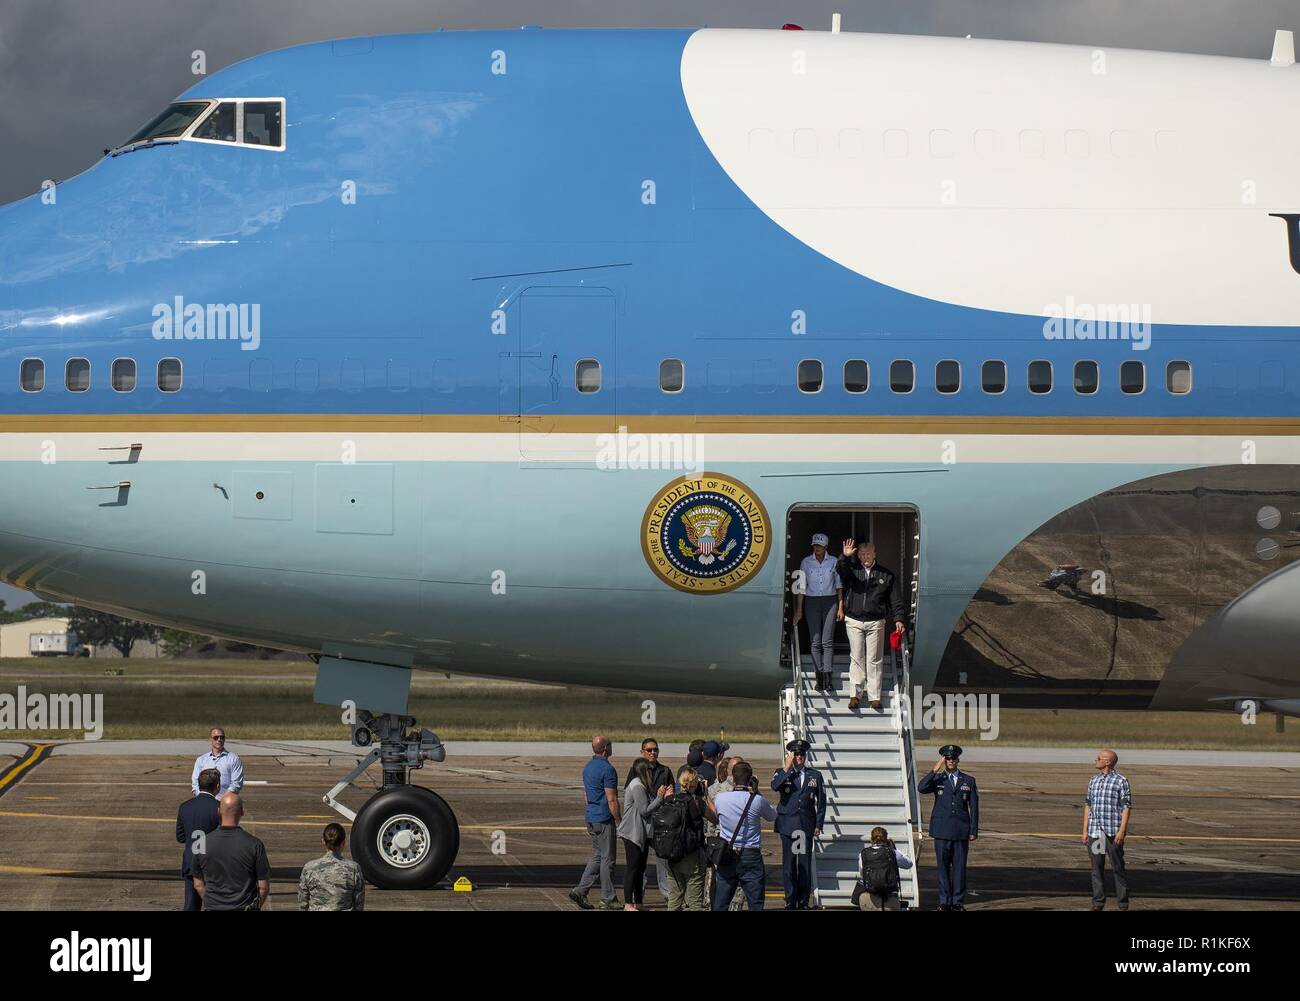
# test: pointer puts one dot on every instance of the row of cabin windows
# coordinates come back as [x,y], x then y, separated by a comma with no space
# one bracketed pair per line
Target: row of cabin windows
[947,376]
[1039,377]
[122,375]
[672,376]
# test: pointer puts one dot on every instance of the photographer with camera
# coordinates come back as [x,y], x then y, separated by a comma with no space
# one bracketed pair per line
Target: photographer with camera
[735,850]
[878,878]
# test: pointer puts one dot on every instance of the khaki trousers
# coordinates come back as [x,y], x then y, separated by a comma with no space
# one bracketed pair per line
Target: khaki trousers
[866,656]
[686,883]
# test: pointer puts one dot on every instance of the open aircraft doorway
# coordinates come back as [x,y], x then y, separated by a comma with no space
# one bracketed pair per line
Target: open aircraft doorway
[895,530]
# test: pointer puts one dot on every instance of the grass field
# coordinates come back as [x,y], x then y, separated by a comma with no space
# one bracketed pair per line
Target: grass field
[273,700]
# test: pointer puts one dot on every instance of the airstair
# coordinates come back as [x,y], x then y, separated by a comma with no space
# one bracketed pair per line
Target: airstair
[866,760]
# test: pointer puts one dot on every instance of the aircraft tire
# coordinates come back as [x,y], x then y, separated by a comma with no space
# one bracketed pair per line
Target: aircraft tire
[405,838]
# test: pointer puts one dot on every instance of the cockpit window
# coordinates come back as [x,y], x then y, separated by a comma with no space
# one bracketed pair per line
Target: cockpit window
[218,126]
[263,124]
[170,123]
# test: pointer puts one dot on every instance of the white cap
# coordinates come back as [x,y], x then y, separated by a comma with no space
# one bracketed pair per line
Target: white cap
[820,539]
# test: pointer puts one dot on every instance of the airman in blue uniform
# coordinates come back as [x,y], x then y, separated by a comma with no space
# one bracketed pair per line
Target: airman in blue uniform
[954,823]
[799,819]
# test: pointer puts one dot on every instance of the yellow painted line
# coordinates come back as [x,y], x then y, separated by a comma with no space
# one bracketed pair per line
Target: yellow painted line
[784,424]
[315,816]
[32,757]
[1146,837]
[147,820]
[546,827]
[517,827]
[26,870]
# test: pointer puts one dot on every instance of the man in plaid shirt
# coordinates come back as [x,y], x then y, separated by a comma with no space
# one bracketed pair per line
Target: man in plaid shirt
[1105,826]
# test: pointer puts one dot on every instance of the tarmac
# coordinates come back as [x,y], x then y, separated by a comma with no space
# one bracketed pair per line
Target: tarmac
[90,826]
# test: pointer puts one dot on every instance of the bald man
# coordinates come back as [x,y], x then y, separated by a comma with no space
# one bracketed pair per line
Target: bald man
[1105,826]
[600,783]
[231,872]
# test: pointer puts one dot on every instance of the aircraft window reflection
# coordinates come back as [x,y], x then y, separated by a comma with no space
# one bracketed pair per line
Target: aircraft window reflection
[587,375]
[1040,377]
[1132,377]
[123,375]
[31,375]
[263,125]
[857,376]
[947,376]
[902,375]
[218,126]
[170,123]
[810,376]
[993,376]
[170,375]
[1086,377]
[76,375]
[672,375]
[1178,377]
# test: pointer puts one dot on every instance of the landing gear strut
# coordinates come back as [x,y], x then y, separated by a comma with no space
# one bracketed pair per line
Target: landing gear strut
[405,837]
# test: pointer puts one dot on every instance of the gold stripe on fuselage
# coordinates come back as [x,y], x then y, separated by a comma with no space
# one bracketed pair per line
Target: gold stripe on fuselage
[773,424]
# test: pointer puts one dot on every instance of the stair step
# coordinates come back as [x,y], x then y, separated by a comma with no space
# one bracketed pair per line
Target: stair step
[882,733]
[868,797]
[849,848]
[845,784]
[857,819]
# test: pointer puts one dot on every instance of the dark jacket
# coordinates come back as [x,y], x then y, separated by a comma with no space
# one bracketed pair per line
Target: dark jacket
[663,776]
[956,813]
[802,809]
[869,595]
[197,814]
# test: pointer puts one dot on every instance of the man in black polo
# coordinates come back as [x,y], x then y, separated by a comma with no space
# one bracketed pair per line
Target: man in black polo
[231,872]
[871,599]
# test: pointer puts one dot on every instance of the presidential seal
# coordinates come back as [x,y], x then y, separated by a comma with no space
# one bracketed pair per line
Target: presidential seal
[705,535]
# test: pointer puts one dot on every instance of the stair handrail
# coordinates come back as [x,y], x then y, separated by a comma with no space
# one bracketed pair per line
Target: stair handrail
[796,666]
[902,663]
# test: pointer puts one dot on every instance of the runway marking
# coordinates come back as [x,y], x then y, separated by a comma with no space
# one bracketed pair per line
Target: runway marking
[563,828]
[27,870]
[148,820]
[1147,837]
[36,753]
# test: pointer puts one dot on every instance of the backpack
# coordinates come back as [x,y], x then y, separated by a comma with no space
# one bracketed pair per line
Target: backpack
[879,869]
[673,834]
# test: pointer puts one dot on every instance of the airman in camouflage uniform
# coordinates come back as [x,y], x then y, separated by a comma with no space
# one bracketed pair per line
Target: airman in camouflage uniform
[331,882]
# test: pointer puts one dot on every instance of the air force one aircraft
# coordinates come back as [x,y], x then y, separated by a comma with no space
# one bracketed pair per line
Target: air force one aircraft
[542,354]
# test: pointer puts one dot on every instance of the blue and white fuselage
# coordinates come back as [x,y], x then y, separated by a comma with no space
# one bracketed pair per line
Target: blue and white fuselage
[479,261]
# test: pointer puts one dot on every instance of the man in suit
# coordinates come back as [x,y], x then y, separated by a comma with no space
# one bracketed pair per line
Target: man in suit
[198,814]
[954,823]
[799,819]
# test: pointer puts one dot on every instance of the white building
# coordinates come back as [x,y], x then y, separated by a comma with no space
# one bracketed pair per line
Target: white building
[16,637]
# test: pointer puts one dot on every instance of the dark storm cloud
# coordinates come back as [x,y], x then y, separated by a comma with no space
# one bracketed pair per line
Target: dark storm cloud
[78,75]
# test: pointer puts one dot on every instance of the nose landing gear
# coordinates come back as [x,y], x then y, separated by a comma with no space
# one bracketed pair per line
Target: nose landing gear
[405,837]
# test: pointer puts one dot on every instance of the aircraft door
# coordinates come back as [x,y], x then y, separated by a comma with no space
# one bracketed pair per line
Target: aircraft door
[566,371]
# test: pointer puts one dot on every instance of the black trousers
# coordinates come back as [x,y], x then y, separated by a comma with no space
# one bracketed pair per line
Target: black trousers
[636,857]
[193,902]
[796,869]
